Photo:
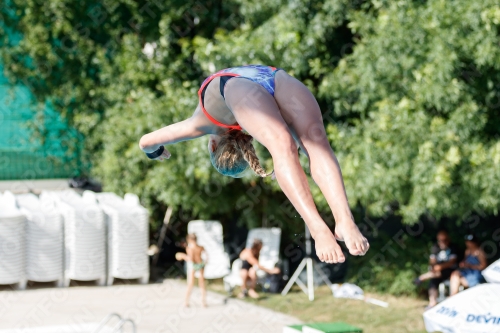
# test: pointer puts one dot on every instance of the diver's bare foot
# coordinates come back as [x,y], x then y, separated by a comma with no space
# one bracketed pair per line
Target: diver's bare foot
[349,233]
[204,304]
[327,248]
[186,305]
[253,294]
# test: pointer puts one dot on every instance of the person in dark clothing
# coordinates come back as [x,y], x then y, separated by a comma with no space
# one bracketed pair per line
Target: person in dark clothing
[442,262]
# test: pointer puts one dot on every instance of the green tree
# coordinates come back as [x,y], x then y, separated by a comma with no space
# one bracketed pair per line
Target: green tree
[423,85]
[86,58]
[409,90]
[413,87]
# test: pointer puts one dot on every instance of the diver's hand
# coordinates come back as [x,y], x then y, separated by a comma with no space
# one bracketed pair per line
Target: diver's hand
[158,153]
[164,156]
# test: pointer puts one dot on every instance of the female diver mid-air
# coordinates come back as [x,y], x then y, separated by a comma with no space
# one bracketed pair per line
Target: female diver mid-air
[281,113]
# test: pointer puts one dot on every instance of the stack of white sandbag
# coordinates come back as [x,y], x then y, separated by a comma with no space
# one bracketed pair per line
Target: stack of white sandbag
[12,242]
[128,235]
[84,236]
[44,240]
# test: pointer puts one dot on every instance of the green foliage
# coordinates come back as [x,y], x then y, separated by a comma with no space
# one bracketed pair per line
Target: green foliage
[423,79]
[402,284]
[409,90]
[392,263]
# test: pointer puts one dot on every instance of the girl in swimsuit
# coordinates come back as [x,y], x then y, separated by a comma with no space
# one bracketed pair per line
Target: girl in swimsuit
[193,255]
[282,114]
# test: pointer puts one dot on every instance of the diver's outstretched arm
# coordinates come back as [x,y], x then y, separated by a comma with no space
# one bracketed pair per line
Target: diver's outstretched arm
[182,131]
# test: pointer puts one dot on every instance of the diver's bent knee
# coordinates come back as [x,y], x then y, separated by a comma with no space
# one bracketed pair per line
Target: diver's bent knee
[284,144]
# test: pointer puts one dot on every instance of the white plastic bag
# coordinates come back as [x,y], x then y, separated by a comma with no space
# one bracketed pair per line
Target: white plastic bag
[347,290]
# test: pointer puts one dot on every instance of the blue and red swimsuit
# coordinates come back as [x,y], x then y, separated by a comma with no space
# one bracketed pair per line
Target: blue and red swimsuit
[263,75]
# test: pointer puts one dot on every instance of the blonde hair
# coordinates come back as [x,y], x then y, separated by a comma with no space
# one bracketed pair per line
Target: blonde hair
[234,154]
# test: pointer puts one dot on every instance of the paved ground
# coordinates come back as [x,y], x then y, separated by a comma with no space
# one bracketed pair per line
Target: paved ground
[156,308]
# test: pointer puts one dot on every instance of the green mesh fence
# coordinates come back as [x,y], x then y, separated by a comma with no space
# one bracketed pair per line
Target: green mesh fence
[22,156]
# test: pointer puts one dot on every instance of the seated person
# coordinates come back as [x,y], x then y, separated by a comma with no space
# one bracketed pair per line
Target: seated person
[469,273]
[443,260]
[250,261]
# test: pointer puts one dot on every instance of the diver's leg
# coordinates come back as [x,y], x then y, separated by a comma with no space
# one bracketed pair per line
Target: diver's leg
[257,112]
[303,114]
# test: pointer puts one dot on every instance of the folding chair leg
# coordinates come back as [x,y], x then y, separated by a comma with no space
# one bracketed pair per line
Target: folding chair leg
[442,292]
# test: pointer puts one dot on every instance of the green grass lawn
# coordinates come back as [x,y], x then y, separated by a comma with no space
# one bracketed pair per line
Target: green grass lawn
[404,314]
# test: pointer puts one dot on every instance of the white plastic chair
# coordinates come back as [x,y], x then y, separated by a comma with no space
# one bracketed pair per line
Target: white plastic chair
[233,279]
[268,257]
[209,235]
[444,289]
